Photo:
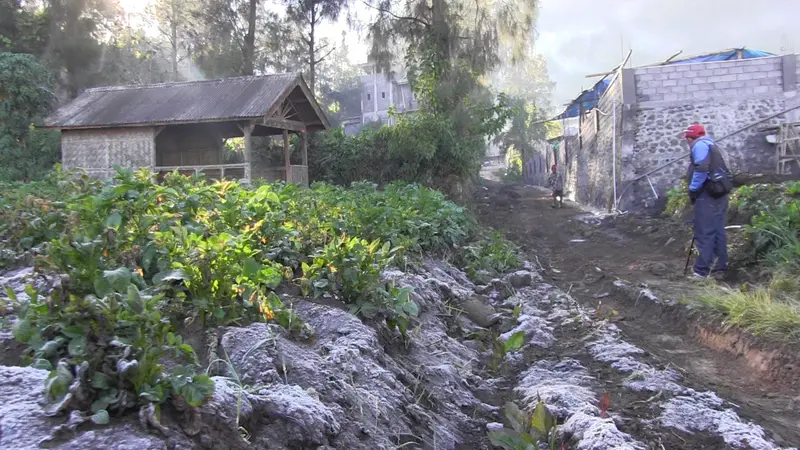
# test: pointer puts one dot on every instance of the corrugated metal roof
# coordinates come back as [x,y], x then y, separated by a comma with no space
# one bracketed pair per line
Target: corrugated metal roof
[182,102]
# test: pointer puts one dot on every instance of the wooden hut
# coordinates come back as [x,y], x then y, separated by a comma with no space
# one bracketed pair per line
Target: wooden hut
[182,126]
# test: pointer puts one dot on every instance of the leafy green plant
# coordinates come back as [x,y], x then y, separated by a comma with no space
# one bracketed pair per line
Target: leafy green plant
[793,189]
[677,200]
[527,430]
[775,234]
[350,269]
[500,348]
[105,350]
[142,259]
[486,257]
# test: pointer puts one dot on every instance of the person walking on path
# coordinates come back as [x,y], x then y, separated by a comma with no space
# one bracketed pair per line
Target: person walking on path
[556,184]
[709,183]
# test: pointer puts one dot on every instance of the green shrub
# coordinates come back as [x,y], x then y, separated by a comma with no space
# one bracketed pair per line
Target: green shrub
[422,147]
[793,189]
[775,234]
[25,152]
[513,172]
[142,259]
[487,256]
[677,200]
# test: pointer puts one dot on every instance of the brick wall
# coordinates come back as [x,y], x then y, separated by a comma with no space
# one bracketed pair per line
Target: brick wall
[710,80]
[98,151]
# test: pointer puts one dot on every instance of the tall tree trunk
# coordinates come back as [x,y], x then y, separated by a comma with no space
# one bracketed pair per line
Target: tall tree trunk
[174,39]
[312,49]
[250,40]
[441,30]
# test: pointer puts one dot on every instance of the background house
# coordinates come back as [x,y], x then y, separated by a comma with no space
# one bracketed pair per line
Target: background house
[380,91]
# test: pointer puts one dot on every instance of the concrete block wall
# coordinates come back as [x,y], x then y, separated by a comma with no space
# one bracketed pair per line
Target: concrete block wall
[702,81]
[98,151]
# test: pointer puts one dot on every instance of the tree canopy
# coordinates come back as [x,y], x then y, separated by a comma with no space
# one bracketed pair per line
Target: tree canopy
[470,64]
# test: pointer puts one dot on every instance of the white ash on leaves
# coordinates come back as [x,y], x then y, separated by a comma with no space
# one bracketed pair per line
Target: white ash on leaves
[536,329]
[594,433]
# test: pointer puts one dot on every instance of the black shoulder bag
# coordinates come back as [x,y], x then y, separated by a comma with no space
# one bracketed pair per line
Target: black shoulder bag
[719,182]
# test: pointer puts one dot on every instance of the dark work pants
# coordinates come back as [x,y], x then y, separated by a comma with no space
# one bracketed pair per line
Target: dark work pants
[709,234]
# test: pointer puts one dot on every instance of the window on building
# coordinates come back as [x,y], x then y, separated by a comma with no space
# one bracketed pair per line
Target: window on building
[383,94]
[369,96]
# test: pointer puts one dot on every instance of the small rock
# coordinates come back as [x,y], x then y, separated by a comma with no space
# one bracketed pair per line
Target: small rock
[658,269]
[503,288]
[483,289]
[494,426]
[477,308]
[520,279]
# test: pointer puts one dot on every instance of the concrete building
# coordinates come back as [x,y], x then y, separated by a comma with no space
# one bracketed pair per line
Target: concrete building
[629,140]
[381,91]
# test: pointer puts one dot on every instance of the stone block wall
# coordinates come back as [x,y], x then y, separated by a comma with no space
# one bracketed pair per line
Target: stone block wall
[654,105]
[586,160]
[657,140]
[723,96]
[98,151]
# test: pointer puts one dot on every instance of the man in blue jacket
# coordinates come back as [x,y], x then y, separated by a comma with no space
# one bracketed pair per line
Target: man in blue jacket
[709,184]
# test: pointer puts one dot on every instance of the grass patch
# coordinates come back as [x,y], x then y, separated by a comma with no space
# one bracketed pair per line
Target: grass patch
[771,311]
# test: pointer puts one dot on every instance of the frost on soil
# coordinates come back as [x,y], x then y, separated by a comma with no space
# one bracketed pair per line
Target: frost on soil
[359,385]
[689,411]
[565,385]
[700,412]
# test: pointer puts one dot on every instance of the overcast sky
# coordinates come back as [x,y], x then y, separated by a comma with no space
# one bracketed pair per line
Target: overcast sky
[580,37]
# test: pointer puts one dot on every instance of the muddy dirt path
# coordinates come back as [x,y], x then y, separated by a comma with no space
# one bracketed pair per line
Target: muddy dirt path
[599,263]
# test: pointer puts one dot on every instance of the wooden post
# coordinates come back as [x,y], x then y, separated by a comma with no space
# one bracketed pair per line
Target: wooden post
[304,144]
[247,130]
[287,156]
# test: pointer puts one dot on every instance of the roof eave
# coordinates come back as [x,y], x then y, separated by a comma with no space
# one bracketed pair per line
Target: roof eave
[312,100]
[145,124]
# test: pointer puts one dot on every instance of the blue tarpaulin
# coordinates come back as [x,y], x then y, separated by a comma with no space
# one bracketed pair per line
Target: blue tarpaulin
[727,55]
[588,99]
